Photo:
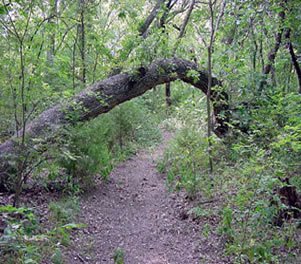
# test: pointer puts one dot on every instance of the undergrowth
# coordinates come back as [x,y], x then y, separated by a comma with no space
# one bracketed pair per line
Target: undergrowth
[25,240]
[78,157]
[257,224]
[90,151]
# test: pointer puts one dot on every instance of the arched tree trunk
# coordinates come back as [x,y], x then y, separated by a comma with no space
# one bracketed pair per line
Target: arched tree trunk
[104,95]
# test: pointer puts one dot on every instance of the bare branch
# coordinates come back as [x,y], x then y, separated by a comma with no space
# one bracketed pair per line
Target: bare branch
[145,26]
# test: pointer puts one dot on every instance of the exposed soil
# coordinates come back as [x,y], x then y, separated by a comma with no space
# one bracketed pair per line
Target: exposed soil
[135,212]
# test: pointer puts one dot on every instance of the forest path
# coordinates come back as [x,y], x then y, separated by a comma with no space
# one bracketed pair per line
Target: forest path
[135,212]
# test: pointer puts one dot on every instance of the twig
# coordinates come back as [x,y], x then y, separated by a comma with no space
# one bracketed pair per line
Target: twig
[81,258]
[209,201]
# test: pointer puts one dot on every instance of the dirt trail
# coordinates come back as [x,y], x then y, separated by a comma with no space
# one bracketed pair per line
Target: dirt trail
[135,212]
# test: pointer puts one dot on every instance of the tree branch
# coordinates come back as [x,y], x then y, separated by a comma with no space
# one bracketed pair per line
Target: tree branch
[294,58]
[145,26]
[103,96]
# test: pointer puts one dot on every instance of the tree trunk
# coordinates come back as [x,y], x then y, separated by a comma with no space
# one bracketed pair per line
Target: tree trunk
[102,96]
[294,58]
[52,16]
[268,68]
[181,35]
[167,94]
[145,26]
[82,40]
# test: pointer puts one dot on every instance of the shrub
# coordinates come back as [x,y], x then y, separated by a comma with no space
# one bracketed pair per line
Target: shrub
[92,149]
[24,240]
[247,178]
[186,162]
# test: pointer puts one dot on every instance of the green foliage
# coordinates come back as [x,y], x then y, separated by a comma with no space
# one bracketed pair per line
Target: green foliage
[24,240]
[64,211]
[248,172]
[186,162]
[57,257]
[118,256]
[268,154]
[92,150]
[194,75]
[20,236]
[63,216]
[44,58]
[186,156]
[198,212]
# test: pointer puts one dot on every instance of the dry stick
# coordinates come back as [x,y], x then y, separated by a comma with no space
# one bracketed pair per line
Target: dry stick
[175,13]
[208,201]
[272,54]
[185,22]
[143,30]
[81,258]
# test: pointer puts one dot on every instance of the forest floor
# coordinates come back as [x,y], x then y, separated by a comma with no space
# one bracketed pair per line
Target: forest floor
[135,214]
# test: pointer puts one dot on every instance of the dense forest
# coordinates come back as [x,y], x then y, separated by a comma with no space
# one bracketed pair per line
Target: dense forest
[160,131]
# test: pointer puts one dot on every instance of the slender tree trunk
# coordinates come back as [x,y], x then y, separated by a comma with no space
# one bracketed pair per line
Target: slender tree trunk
[272,54]
[74,60]
[255,49]
[163,25]
[209,117]
[15,104]
[95,67]
[214,25]
[20,161]
[51,48]
[181,35]
[148,21]
[20,135]
[50,39]
[82,40]
[268,68]
[167,94]
[294,58]
[261,53]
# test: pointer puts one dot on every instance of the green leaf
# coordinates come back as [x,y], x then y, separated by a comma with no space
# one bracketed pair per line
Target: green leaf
[2,10]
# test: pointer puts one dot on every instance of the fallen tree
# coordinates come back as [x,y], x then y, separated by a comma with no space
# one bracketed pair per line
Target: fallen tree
[104,95]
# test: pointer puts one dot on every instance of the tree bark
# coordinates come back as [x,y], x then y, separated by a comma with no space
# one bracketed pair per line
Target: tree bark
[294,58]
[272,54]
[143,32]
[145,26]
[181,35]
[167,94]
[267,69]
[102,96]
[53,14]
[82,35]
